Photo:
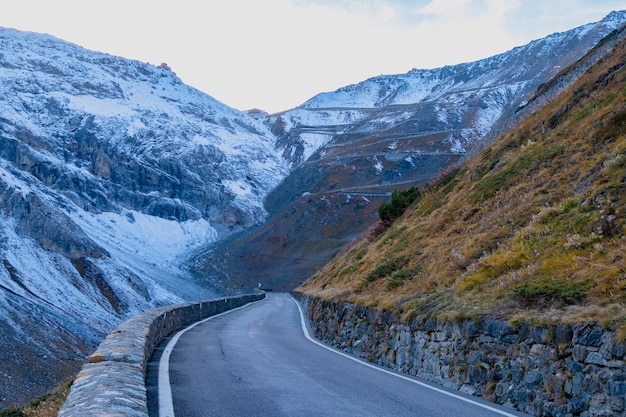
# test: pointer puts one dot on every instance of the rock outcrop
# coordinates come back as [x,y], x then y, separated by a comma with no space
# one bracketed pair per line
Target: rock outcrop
[111,172]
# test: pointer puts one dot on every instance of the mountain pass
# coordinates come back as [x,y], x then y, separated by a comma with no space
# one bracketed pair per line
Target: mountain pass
[260,360]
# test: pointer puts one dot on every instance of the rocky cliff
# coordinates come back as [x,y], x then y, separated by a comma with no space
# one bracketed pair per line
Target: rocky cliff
[111,172]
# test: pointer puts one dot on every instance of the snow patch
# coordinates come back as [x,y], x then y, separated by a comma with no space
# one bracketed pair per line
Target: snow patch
[455,145]
[312,142]
[238,188]
[378,166]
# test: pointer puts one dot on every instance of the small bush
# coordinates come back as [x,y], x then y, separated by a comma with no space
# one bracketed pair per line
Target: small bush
[387,268]
[514,170]
[494,266]
[349,269]
[400,201]
[402,276]
[547,289]
[394,233]
[615,126]
[12,413]
[360,254]
[407,274]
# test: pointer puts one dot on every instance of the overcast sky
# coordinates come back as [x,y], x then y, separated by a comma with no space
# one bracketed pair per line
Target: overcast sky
[276,54]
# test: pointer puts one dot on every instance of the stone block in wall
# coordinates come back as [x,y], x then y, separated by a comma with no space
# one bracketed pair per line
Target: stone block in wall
[574,385]
[533,380]
[588,334]
[480,374]
[619,349]
[430,324]
[617,388]
[496,327]
[111,389]
[373,315]
[579,353]
[617,404]
[474,357]
[511,338]
[532,334]
[469,329]
[595,358]
[541,335]
[543,353]
[577,405]
[563,335]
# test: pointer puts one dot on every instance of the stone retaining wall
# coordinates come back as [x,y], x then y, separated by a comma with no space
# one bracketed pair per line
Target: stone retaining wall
[112,383]
[561,371]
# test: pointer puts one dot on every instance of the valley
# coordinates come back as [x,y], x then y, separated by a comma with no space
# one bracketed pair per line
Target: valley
[124,189]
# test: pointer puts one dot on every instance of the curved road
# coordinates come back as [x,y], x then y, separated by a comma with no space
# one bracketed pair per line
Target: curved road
[258,361]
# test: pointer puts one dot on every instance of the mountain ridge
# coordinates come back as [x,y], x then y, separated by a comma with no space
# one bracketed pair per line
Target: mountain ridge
[348,160]
[118,182]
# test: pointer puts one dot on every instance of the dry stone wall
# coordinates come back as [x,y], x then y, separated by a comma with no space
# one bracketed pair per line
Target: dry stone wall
[563,371]
[112,383]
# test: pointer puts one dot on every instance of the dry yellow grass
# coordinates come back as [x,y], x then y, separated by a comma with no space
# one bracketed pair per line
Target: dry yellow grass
[47,405]
[533,227]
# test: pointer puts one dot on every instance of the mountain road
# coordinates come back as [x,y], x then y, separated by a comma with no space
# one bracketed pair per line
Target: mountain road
[260,360]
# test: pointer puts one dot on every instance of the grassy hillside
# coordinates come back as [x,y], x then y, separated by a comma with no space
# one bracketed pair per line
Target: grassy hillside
[531,228]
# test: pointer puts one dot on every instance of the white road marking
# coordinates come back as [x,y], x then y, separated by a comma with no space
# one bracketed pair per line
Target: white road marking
[166,405]
[357,360]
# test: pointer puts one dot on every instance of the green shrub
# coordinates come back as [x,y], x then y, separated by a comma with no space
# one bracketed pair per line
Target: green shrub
[547,289]
[349,269]
[12,413]
[387,268]
[394,233]
[402,276]
[360,254]
[612,128]
[400,201]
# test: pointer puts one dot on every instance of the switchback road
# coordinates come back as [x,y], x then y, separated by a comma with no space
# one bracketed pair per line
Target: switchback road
[260,361]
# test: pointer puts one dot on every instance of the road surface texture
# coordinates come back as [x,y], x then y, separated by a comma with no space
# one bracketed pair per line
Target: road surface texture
[258,361]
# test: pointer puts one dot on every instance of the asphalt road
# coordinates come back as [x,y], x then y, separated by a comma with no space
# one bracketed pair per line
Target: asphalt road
[257,361]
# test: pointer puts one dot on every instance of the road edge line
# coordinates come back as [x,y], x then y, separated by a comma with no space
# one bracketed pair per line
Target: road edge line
[166,403]
[406,378]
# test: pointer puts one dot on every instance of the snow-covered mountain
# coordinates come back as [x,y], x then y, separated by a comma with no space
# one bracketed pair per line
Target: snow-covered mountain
[116,178]
[352,147]
[465,101]
[111,172]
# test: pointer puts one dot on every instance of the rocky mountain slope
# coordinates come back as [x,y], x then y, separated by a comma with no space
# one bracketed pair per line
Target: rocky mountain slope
[351,148]
[122,188]
[111,172]
[495,278]
[531,229]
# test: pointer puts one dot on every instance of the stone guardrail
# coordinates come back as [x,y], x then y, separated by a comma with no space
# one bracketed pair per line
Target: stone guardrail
[112,383]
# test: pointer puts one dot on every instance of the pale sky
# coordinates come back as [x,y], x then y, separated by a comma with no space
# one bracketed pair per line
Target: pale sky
[276,54]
